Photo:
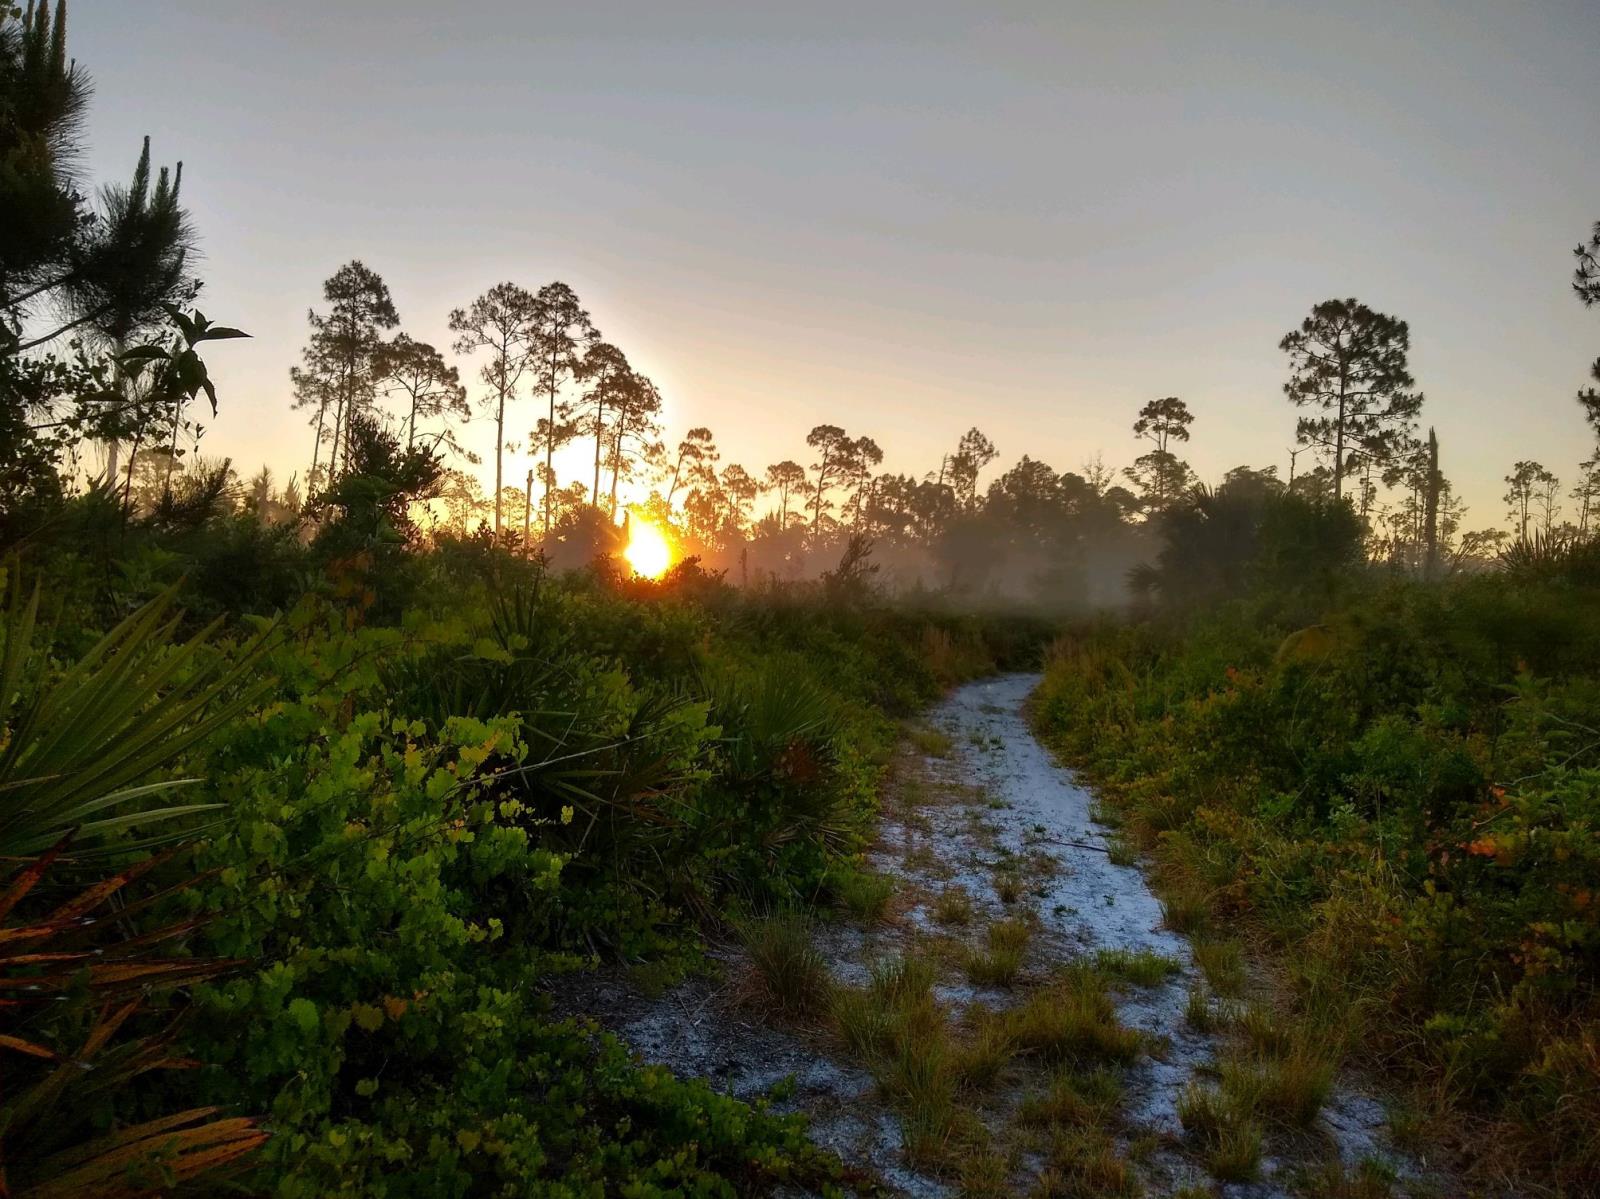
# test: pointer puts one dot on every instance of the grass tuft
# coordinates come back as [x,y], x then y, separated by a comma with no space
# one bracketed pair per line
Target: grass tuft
[1084,1164]
[792,973]
[1222,962]
[1075,1097]
[980,1062]
[999,962]
[1288,1089]
[1264,1030]
[1142,967]
[1371,1179]
[863,893]
[1229,1140]
[1197,1013]
[1186,911]
[953,906]
[1073,1020]
[932,742]
[1008,887]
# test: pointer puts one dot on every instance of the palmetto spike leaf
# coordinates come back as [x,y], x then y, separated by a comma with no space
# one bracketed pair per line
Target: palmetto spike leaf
[83,746]
[66,951]
[186,1147]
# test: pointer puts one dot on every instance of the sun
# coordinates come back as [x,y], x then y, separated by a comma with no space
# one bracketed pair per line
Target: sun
[648,552]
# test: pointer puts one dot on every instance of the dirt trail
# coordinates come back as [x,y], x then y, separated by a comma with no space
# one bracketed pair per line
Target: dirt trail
[1094,904]
[982,803]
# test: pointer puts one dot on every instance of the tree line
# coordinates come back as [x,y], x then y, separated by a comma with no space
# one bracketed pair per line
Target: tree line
[105,388]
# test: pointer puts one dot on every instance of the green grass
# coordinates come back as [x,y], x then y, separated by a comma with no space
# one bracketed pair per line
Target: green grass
[1222,962]
[863,893]
[1142,967]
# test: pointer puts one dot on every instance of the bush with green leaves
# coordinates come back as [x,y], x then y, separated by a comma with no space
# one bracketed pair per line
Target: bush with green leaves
[1405,796]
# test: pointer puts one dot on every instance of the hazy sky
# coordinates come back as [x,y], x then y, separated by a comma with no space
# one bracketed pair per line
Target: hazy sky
[902,218]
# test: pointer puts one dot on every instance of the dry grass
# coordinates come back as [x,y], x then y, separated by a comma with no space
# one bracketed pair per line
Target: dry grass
[863,1023]
[1121,852]
[1222,962]
[980,1062]
[930,741]
[1369,1180]
[1075,1097]
[789,972]
[1073,1020]
[1264,1029]
[1229,1142]
[1084,1164]
[952,906]
[1000,960]
[1186,910]
[1288,1089]
[1197,1013]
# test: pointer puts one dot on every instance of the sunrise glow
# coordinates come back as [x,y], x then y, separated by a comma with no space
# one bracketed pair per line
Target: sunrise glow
[649,552]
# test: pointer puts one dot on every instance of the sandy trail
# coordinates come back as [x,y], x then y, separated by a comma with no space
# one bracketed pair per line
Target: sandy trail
[1094,904]
[992,804]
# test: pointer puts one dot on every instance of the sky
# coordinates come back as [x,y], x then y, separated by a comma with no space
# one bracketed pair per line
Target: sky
[902,218]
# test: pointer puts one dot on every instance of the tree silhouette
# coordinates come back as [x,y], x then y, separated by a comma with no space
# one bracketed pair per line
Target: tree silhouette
[606,371]
[739,489]
[961,469]
[111,268]
[696,445]
[635,429]
[1587,491]
[500,321]
[1349,362]
[1586,285]
[855,472]
[833,449]
[560,334]
[1160,474]
[785,478]
[1164,421]
[1529,486]
[340,358]
[430,388]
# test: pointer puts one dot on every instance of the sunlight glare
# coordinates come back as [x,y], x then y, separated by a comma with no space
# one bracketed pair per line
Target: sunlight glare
[648,551]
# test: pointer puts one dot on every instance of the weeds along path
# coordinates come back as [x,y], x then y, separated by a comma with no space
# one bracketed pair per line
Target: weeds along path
[1001,825]
[1007,1010]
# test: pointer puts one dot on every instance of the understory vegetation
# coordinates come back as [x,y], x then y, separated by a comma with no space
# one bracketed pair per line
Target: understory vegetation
[349,858]
[1394,785]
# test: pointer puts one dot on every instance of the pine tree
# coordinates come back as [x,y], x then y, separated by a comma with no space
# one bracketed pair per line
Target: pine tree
[559,335]
[339,362]
[427,386]
[501,322]
[1349,362]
